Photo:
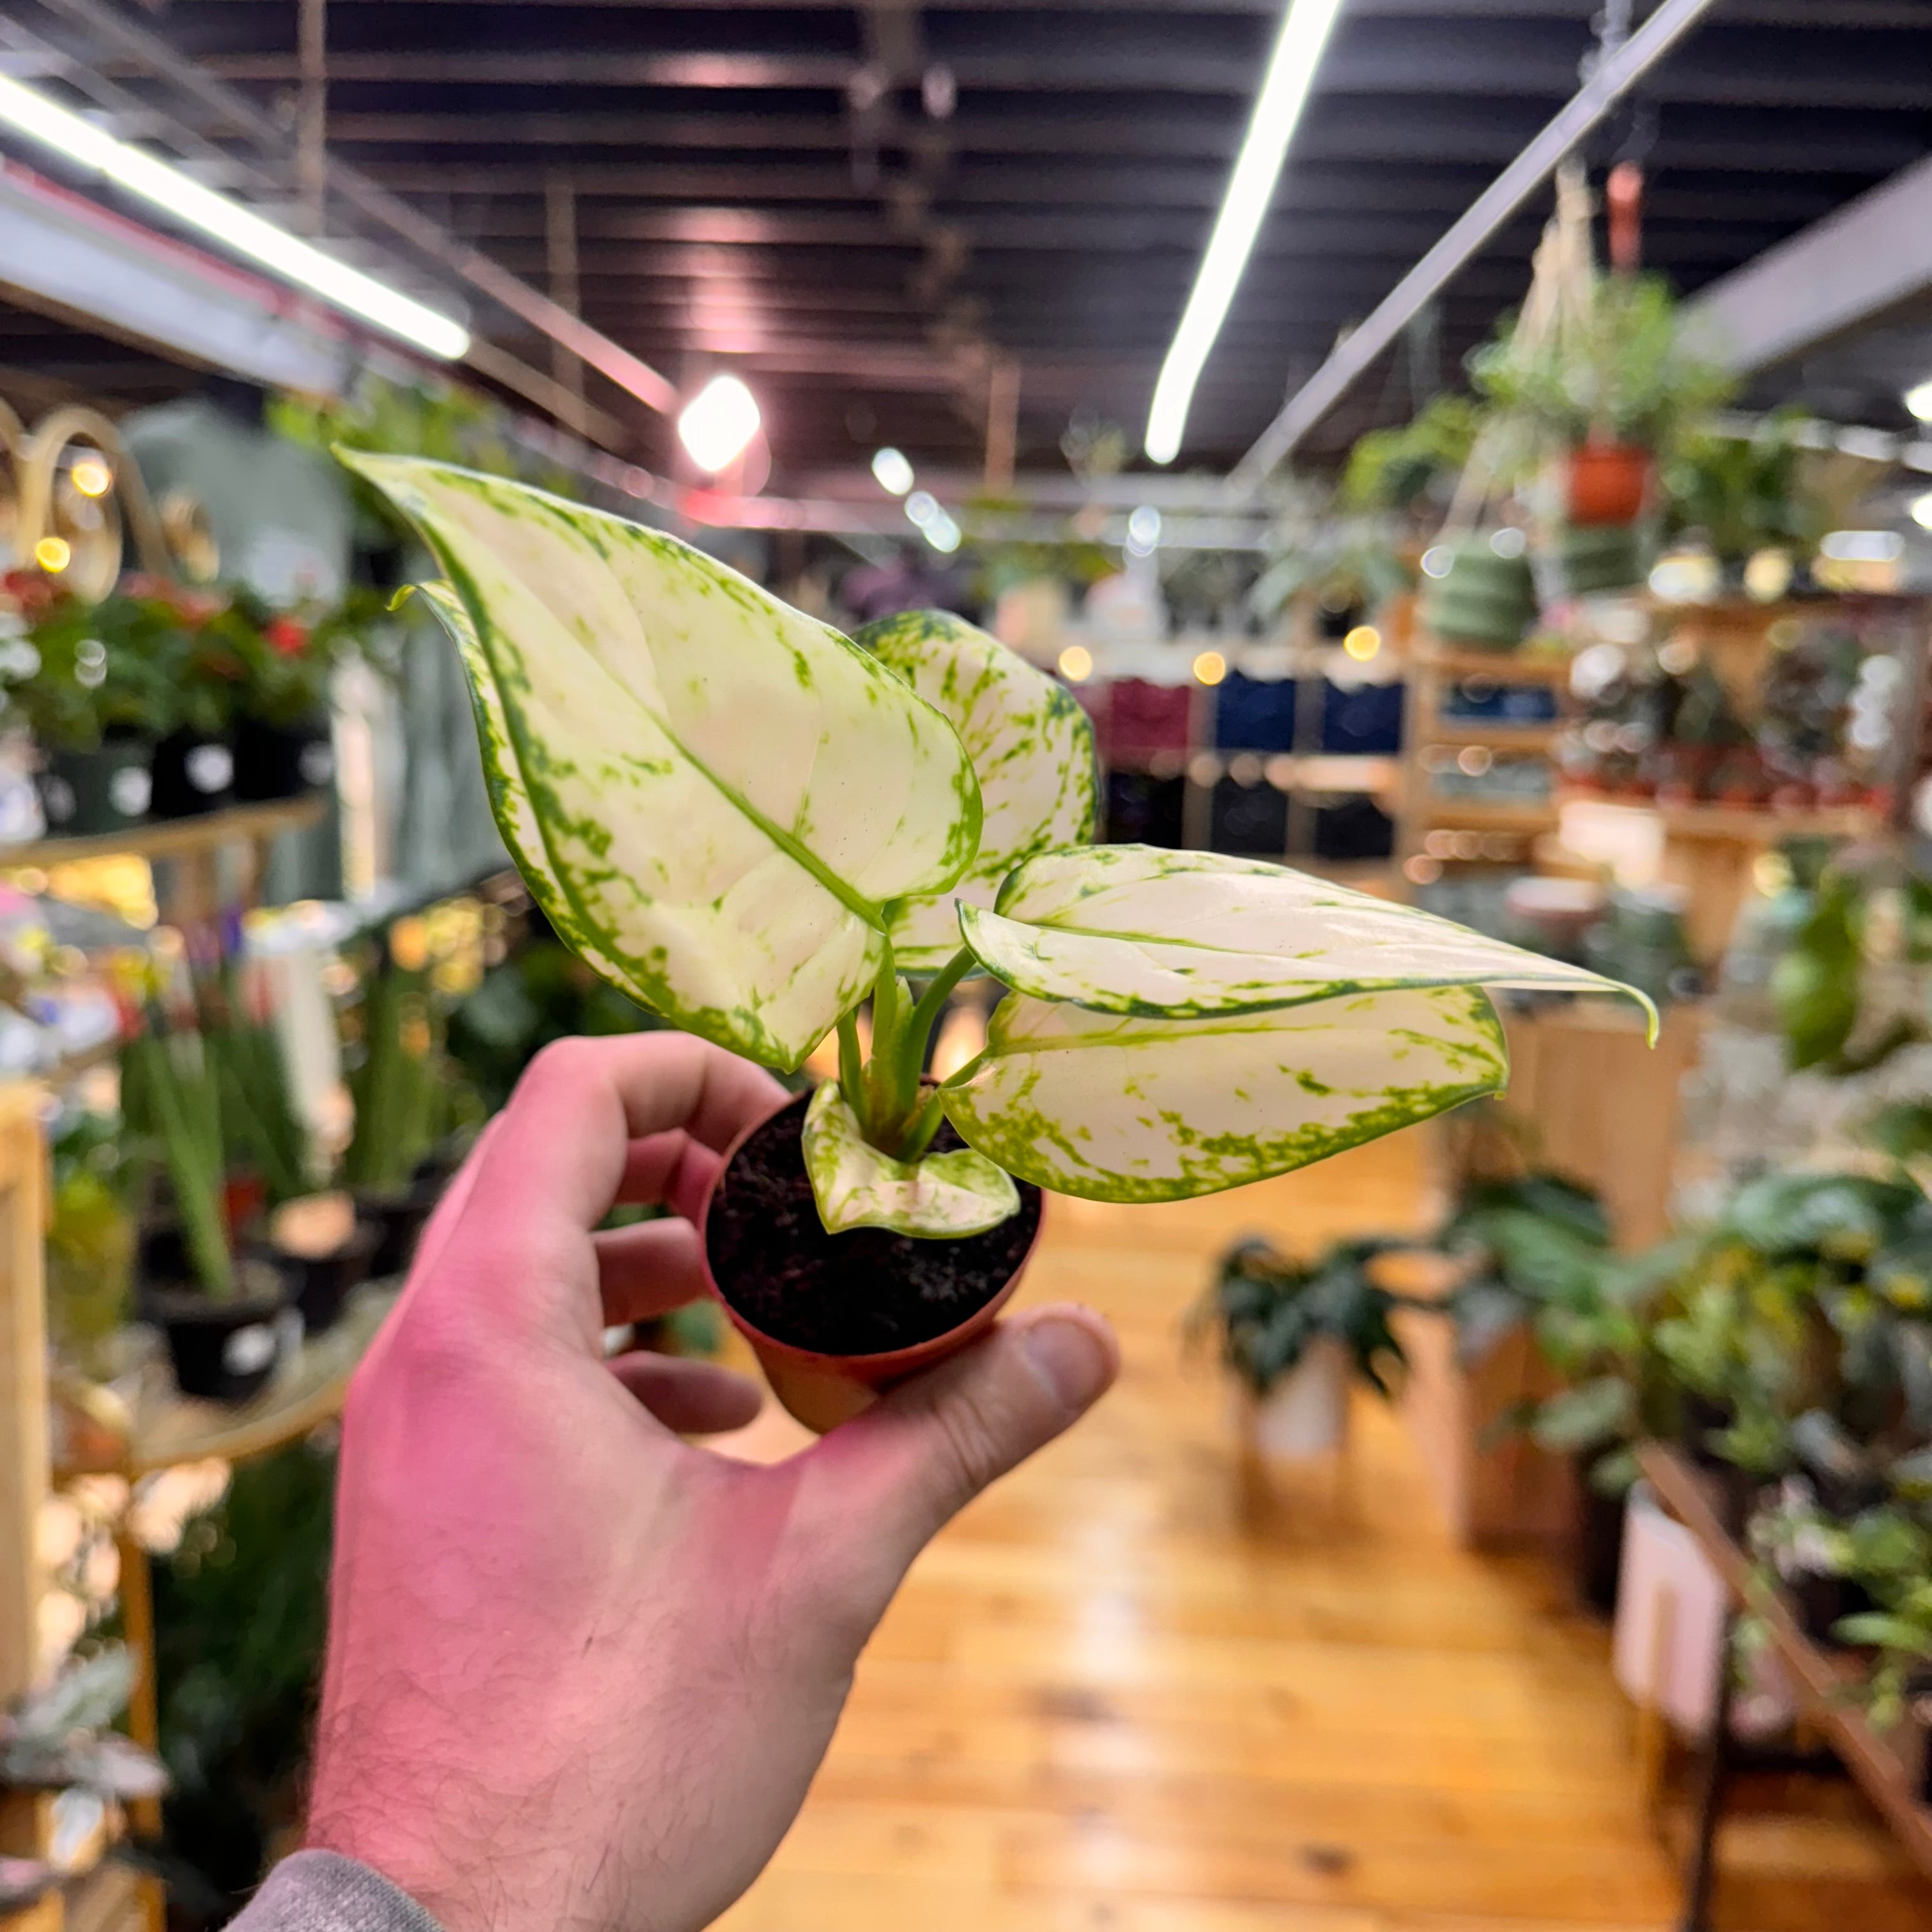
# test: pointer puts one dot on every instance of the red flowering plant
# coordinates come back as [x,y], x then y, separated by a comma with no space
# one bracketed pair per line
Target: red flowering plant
[285,658]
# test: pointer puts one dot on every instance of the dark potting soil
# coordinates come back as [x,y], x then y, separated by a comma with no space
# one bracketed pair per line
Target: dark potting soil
[865,1292]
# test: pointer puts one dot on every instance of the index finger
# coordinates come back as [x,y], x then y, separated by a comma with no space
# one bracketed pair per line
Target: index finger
[557,1152]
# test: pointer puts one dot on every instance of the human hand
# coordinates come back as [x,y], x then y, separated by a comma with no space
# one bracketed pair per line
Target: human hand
[580,1672]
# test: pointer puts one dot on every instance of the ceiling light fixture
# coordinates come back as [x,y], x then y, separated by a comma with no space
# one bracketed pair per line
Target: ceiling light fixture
[1919,400]
[1922,511]
[894,472]
[1297,53]
[717,425]
[31,113]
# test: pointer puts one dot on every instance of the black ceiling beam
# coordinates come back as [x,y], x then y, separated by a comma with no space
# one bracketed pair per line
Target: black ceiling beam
[1079,185]
[1875,15]
[1740,74]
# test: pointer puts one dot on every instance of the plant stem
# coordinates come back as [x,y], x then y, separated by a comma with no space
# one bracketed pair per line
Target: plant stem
[925,1015]
[851,1068]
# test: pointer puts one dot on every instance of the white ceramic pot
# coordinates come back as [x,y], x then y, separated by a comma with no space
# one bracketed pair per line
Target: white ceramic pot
[1306,1413]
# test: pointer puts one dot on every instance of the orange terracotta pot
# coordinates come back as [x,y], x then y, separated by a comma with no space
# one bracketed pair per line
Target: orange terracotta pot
[821,1390]
[1607,484]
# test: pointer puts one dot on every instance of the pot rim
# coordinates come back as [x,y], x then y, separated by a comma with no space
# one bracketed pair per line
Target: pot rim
[888,1365]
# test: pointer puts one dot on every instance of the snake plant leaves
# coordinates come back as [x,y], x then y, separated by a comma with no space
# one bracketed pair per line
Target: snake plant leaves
[940,1198]
[718,795]
[1131,929]
[1115,1108]
[1032,750]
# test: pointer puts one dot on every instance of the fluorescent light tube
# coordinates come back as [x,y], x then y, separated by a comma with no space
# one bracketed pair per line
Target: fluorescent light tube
[1297,53]
[30,112]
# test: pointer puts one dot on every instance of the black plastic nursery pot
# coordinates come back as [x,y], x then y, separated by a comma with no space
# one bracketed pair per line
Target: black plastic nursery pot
[85,792]
[278,761]
[194,772]
[227,1351]
[1600,1545]
[395,1219]
[835,1320]
[321,1285]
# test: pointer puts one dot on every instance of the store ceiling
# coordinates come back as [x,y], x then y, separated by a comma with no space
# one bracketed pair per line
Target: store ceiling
[862,208]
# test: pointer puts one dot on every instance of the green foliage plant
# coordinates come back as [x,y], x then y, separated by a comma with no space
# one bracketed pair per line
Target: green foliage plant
[754,826]
[1265,1310]
[171,1101]
[1621,373]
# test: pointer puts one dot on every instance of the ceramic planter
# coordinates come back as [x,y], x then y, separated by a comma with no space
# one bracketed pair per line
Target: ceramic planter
[1305,1412]
[1600,558]
[277,761]
[823,1390]
[1485,601]
[1606,483]
[84,792]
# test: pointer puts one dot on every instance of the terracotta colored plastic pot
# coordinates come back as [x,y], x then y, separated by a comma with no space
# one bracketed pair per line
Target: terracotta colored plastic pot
[821,1391]
[1607,483]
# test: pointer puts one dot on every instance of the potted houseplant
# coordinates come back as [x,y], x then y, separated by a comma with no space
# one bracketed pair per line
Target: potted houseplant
[90,1243]
[1607,384]
[752,826]
[1293,1333]
[284,741]
[402,1083]
[222,1313]
[87,681]
[1486,597]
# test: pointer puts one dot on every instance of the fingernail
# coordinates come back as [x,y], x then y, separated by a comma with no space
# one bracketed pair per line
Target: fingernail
[1075,1362]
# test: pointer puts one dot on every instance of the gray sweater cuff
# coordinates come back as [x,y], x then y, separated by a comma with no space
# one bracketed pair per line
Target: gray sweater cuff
[323,1892]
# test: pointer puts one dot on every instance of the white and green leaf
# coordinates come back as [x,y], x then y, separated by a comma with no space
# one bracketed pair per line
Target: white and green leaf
[1115,1108]
[1032,749]
[1133,930]
[941,1197]
[715,796]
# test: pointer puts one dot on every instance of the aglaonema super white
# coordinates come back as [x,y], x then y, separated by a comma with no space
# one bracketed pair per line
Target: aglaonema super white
[754,825]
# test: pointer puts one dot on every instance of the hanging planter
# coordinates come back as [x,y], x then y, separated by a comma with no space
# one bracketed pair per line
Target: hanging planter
[1596,558]
[1606,483]
[1486,600]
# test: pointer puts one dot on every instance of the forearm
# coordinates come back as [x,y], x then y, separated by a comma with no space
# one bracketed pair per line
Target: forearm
[323,1891]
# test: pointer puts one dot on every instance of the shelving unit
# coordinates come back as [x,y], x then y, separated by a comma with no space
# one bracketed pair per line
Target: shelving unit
[173,837]
[1434,668]
[1820,1680]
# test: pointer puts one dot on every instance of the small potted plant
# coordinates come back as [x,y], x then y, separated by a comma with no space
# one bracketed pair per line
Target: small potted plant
[88,681]
[1294,1334]
[754,827]
[283,742]
[90,1243]
[223,1314]
[403,1087]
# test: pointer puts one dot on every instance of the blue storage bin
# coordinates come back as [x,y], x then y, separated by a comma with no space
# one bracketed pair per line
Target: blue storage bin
[1251,714]
[1367,719]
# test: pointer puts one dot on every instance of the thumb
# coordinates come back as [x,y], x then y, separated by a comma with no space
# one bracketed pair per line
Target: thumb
[899,1472]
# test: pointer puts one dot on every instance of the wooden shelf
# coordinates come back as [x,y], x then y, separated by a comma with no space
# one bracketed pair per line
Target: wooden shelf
[1494,666]
[1742,824]
[1471,814]
[173,837]
[1821,1678]
[163,1427]
[1524,738]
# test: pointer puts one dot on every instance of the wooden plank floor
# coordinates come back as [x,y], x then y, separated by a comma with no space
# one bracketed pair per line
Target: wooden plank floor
[1125,1693]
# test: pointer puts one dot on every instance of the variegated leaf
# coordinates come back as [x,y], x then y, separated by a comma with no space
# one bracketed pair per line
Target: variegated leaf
[720,793]
[1134,930]
[1032,749]
[940,1198]
[515,818]
[1115,1108]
